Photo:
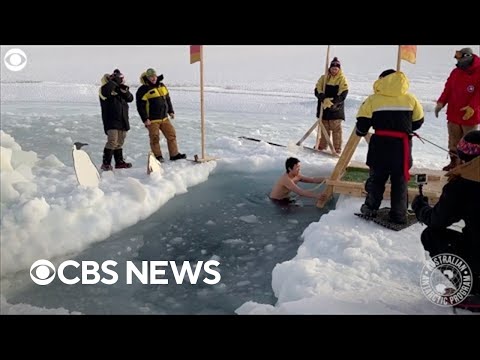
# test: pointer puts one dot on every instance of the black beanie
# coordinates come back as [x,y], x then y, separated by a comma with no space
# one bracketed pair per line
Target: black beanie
[386,73]
[335,62]
[117,76]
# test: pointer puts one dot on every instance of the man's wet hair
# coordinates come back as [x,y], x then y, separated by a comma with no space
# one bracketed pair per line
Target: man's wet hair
[290,163]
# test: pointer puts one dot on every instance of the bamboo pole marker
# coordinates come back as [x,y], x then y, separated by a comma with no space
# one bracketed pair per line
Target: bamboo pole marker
[399,58]
[318,122]
[202,103]
[204,157]
[321,127]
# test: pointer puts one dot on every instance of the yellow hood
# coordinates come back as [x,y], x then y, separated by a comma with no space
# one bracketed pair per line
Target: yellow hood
[104,79]
[144,81]
[469,170]
[142,78]
[395,84]
[339,80]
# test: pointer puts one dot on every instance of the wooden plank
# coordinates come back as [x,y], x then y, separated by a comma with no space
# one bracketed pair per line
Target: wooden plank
[348,190]
[345,184]
[433,175]
[368,137]
[358,190]
[205,159]
[324,134]
[342,164]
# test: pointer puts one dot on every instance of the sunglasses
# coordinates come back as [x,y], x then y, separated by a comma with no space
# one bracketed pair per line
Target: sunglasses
[459,55]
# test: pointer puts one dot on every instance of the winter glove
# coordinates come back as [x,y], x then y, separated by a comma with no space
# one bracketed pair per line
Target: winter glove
[172,116]
[320,96]
[419,201]
[468,112]
[327,103]
[438,107]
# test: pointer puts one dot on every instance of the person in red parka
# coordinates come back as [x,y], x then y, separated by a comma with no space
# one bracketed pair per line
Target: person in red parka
[462,94]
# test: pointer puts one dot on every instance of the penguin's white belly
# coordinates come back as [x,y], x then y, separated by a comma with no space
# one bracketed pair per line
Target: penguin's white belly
[153,164]
[87,173]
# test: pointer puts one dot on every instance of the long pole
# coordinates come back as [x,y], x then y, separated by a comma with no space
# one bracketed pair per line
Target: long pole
[202,102]
[318,122]
[319,128]
[399,58]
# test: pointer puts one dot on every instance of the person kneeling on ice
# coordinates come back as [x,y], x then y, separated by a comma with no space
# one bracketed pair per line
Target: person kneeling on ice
[155,107]
[114,98]
[394,114]
[288,182]
[460,200]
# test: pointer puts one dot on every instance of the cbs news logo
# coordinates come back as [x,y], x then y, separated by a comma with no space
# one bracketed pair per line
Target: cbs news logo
[15,59]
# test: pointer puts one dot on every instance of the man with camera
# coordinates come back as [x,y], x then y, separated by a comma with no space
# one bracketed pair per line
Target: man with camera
[114,98]
[460,200]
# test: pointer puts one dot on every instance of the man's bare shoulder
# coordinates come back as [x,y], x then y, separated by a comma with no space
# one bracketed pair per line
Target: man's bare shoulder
[285,179]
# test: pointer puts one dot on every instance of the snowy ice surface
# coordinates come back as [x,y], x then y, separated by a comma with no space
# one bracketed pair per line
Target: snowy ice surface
[345,265]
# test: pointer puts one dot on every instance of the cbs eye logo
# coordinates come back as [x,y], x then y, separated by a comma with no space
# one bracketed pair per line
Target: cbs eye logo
[42,272]
[15,59]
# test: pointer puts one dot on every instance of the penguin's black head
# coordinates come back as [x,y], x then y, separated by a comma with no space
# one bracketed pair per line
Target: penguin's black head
[78,145]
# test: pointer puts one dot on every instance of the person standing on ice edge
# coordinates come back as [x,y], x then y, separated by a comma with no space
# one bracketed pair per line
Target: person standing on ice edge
[114,98]
[460,200]
[462,94]
[155,106]
[333,99]
[394,114]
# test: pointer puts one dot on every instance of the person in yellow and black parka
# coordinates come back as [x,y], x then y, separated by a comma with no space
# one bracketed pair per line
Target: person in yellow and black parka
[394,114]
[333,99]
[155,107]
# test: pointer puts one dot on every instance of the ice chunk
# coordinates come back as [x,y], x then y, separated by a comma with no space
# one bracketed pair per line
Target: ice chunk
[251,219]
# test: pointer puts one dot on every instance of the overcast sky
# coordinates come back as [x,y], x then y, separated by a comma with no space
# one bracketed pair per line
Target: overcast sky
[86,64]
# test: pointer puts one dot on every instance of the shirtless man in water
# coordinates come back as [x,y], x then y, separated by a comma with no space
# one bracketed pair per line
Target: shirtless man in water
[288,182]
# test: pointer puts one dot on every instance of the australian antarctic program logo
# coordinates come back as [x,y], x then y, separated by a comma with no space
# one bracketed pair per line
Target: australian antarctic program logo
[446,279]
[43,272]
[15,59]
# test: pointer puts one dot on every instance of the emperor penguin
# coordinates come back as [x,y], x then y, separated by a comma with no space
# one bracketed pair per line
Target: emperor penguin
[153,165]
[85,169]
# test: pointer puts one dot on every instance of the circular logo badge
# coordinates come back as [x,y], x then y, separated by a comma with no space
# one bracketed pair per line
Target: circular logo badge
[42,272]
[446,280]
[470,88]
[15,59]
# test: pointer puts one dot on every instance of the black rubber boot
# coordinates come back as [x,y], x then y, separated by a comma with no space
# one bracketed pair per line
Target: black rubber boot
[367,211]
[107,159]
[178,157]
[119,161]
